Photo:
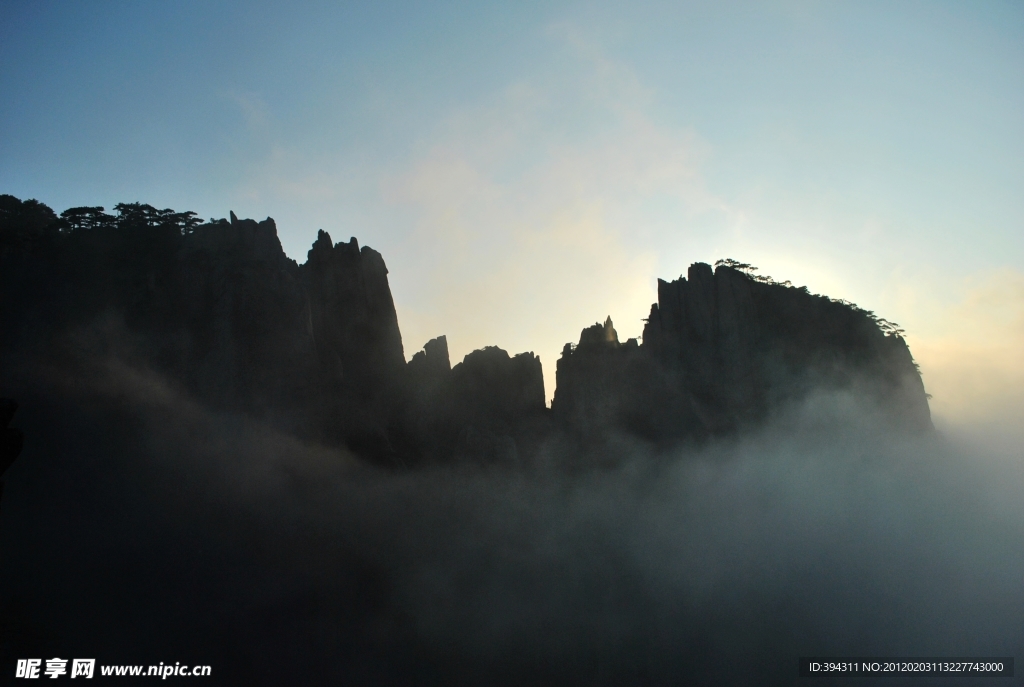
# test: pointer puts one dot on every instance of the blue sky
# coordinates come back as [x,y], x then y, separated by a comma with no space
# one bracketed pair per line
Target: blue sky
[528,168]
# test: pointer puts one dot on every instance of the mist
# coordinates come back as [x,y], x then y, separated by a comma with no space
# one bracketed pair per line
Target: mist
[148,527]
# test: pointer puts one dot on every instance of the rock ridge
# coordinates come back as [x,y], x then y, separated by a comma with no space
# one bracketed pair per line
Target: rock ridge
[316,348]
[721,349]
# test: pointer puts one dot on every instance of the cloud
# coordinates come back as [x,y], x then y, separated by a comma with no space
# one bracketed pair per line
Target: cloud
[525,209]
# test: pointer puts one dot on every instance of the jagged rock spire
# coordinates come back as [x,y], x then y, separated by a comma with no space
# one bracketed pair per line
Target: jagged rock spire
[610,335]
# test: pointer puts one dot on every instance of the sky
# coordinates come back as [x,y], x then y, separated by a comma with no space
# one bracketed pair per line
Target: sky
[527,169]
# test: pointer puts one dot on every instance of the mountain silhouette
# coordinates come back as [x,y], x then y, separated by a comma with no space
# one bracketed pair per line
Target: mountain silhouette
[316,350]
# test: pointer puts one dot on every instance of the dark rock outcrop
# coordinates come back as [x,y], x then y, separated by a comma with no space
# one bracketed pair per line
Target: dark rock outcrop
[486,408]
[314,346]
[431,366]
[721,350]
[604,385]
[354,330]
[218,308]
[242,339]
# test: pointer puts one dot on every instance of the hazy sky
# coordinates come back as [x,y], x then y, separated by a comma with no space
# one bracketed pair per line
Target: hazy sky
[527,169]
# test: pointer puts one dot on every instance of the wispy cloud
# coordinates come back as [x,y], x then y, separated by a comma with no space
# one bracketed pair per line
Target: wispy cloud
[523,208]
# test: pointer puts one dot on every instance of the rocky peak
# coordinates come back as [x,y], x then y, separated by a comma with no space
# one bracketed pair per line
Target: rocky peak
[598,336]
[721,348]
[237,240]
[489,382]
[433,361]
[324,250]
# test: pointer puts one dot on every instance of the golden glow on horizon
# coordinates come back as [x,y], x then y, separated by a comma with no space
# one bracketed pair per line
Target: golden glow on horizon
[974,365]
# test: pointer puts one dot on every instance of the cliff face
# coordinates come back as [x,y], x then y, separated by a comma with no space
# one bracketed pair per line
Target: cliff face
[721,350]
[488,408]
[221,310]
[352,324]
[604,385]
[242,339]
